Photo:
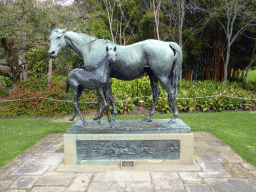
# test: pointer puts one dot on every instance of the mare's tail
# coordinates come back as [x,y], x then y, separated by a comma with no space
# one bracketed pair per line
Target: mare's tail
[177,63]
[67,86]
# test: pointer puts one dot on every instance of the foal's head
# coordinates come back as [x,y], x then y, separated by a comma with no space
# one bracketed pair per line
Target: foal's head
[111,53]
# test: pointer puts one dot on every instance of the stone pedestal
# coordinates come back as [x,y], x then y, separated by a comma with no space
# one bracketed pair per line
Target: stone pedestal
[135,140]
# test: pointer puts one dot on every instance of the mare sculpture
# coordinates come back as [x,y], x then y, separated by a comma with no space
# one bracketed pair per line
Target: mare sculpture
[161,60]
[99,80]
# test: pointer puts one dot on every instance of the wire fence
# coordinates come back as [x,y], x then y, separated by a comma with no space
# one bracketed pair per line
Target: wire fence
[122,101]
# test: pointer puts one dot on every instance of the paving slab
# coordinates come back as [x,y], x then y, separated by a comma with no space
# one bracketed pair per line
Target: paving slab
[81,182]
[232,157]
[197,188]
[54,178]
[34,149]
[190,177]
[48,189]
[121,176]
[4,184]
[209,136]
[201,151]
[253,180]
[197,134]
[16,190]
[52,137]
[27,157]
[107,187]
[230,185]
[9,168]
[253,173]
[30,169]
[50,159]
[60,149]
[25,182]
[52,168]
[202,145]
[214,174]
[139,187]
[49,149]
[217,143]
[81,168]
[211,166]
[248,166]
[11,178]
[209,158]
[237,171]
[166,181]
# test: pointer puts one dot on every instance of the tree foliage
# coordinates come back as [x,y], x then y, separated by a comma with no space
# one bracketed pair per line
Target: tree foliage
[199,26]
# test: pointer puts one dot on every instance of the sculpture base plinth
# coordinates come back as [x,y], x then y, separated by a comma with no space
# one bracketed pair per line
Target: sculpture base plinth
[130,140]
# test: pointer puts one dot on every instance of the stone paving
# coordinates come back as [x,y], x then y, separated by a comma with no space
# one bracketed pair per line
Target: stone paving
[42,169]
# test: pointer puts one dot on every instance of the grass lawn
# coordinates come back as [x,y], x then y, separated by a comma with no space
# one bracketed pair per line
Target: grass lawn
[237,129]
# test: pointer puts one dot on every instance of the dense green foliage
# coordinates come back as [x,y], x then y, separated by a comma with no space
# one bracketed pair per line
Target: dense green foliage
[31,96]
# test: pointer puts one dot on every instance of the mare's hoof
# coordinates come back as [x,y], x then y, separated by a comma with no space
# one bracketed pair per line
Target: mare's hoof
[113,119]
[96,119]
[112,126]
[172,121]
[147,119]
[71,119]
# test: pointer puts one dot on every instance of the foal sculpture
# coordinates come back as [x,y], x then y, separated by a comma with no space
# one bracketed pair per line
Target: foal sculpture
[99,80]
[161,60]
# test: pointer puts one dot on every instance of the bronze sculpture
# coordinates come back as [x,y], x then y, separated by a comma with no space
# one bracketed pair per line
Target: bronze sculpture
[161,60]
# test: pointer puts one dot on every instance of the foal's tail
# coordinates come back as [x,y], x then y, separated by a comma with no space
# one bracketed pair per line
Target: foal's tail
[67,86]
[177,63]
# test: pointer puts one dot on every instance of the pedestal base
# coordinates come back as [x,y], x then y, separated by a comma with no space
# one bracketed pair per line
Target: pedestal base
[135,140]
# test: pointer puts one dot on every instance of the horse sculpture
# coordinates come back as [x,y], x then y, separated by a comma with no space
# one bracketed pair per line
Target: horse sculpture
[161,60]
[99,79]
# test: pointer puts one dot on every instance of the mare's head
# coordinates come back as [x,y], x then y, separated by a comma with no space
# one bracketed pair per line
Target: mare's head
[57,41]
[111,53]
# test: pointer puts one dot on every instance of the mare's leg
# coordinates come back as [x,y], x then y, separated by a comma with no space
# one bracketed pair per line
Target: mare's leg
[115,112]
[156,92]
[74,111]
[165,81]
[100,106]
[79,92]
[75,103]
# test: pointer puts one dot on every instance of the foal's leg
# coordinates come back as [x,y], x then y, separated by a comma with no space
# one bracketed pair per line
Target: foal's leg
[171,96]
[107,92]
[101,95]
[115,112]
[156,92]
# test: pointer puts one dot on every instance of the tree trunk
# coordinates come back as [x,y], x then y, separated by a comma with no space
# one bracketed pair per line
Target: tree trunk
[49,73]
[227,62]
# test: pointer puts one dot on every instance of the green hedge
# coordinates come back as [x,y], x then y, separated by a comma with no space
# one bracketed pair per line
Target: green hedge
[123,91]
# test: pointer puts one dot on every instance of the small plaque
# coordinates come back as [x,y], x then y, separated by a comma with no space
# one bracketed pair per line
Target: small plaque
[128,164]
